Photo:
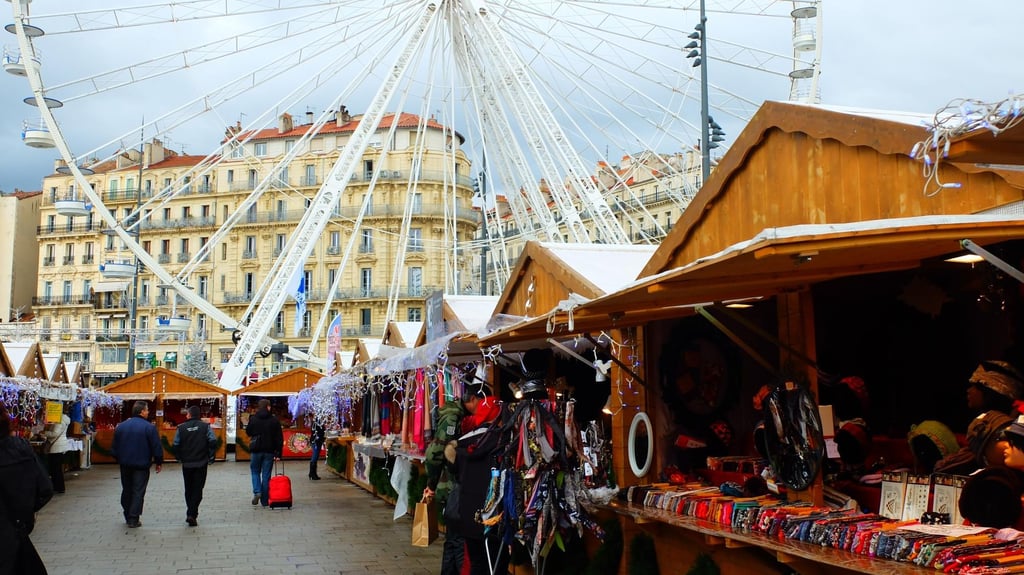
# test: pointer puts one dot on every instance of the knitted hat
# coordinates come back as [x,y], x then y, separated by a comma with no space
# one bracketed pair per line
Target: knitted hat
[938,433]
[984,429]
[859,389]
[1000,377]
[991,497]
[854,442]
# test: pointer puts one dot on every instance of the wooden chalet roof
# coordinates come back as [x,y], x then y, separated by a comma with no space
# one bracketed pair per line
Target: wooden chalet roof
[55,369]
[287,383]
[401,333]
[800,164]
[984,147]
[26,359]
[775,261]
[6,367]
[547,273]
[167,383]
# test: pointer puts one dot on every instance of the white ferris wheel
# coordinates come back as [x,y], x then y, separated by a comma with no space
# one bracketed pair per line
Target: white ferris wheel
[541,91]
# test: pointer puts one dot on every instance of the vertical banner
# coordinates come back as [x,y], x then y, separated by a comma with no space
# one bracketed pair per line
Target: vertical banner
[333,345]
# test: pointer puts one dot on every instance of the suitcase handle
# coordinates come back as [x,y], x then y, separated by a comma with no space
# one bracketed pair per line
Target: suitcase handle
[279,467]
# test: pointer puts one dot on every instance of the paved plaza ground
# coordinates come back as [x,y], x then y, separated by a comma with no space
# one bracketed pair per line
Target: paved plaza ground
[334,528]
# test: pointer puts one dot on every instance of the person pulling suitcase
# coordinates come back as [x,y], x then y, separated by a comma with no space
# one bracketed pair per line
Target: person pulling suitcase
[266,441]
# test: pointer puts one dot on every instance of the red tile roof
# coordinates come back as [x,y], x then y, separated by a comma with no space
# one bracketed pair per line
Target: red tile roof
[405,120]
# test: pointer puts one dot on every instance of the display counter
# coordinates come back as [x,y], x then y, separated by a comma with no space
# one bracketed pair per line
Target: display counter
[297,444]
[802,557]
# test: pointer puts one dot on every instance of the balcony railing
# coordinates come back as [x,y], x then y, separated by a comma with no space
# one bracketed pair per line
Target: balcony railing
[238,297]
[88,259]
[69,260]
[309,181]
[72,229]
[61,300]
[333,250]
[183,257]
[179,223]
[164,258]
[249,255]
[48,262]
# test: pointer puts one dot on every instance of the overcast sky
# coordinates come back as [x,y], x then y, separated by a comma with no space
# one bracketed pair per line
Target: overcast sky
[906,55]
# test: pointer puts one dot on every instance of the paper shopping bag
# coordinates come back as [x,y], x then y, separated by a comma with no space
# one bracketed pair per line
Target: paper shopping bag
[424,525]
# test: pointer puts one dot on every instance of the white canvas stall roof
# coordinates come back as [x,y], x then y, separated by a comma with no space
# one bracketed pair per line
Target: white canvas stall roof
[608,266]
[473,311]
[112,286]
[346,358]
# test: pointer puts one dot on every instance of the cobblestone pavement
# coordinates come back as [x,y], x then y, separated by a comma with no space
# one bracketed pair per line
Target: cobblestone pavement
[334,528]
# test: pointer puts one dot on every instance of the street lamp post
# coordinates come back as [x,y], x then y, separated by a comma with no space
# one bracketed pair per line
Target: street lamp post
[710,132]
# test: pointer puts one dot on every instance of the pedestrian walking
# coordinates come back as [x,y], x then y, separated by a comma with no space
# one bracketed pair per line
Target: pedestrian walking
[317,437]
[136,446]
[265,444]
[57,445]
[24,489]
[195,446]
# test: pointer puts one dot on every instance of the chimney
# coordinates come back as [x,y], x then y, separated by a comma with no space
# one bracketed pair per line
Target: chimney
[58,164]
[153,153]
[285,123]
[343,117]
[309,117]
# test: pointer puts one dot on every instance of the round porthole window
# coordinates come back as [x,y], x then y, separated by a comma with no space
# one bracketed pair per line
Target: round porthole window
[640,445]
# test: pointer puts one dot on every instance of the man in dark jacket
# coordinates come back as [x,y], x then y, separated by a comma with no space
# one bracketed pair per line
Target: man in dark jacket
[265,443]
[24,488]
[194,446]
[136,445]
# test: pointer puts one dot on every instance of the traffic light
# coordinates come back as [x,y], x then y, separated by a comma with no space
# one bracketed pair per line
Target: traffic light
[717,133]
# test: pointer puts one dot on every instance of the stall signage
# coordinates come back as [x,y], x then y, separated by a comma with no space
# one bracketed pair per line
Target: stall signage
[54,409]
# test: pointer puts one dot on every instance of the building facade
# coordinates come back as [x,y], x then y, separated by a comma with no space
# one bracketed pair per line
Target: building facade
[19,212]
[420,182]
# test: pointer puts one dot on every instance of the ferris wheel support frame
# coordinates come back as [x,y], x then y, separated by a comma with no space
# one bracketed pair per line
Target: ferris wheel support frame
[35,82]
[302,241]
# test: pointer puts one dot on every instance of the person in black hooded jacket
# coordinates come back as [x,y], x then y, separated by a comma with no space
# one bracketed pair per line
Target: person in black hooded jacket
[24,488]
[266,440]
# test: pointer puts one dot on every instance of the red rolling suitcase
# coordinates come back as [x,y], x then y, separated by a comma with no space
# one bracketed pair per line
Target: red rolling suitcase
[280,489]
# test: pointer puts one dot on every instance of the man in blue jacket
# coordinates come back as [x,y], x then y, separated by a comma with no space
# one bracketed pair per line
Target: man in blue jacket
[194,446]
[136,445]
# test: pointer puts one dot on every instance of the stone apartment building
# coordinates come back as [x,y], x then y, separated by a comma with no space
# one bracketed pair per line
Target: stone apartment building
[86,313]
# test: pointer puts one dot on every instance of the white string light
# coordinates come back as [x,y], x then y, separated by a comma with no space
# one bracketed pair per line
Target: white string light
[959,117]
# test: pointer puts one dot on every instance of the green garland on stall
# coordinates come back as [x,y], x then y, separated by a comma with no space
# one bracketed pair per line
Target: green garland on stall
[380,478]
[704,565]
[417,482]
[337,458]
[608,556]
[642,558]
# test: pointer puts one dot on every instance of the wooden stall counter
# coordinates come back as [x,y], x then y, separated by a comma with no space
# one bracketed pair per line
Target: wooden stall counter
[799,556]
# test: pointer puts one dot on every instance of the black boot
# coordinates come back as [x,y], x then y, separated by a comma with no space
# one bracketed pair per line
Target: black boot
[312,471]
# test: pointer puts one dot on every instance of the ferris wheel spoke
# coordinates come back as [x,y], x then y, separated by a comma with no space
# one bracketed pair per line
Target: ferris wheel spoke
[165,13]
[195,56]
